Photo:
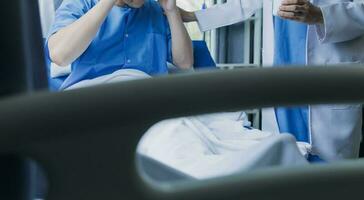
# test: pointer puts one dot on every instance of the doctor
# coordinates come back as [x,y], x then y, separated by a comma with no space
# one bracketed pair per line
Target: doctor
[330,32]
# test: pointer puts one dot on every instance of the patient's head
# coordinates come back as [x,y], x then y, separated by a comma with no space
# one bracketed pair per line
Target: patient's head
[131,3]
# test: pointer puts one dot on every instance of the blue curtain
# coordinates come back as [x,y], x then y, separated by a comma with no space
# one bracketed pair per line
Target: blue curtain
[290,50]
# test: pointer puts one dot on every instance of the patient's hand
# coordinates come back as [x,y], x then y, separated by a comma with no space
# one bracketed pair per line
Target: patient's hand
[168,5]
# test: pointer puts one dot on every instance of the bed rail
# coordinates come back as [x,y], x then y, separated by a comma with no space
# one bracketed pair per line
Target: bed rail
[86,139]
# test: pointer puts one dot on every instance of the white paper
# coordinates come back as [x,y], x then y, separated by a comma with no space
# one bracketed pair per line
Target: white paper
[231,12]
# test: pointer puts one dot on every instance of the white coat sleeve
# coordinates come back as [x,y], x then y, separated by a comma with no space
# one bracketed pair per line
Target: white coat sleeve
[231,12]
[342,22]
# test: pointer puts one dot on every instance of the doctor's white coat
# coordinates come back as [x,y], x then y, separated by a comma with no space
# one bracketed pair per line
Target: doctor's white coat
[335,130]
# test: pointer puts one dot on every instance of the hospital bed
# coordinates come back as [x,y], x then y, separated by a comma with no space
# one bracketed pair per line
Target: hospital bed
[93,157]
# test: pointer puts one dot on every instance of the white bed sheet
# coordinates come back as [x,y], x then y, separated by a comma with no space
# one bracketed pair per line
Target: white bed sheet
[211,145]
[205,148]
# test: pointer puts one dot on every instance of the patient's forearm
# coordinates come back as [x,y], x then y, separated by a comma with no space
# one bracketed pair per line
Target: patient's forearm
[71,42]
[182,51]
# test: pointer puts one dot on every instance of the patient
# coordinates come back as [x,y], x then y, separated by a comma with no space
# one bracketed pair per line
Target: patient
[102,37]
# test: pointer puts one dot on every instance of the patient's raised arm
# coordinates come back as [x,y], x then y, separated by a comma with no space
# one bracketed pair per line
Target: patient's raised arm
[182,51]
[71,42]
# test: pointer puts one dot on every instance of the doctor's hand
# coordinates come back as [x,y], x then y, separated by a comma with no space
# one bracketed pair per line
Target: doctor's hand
[169,6]
[301,11]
